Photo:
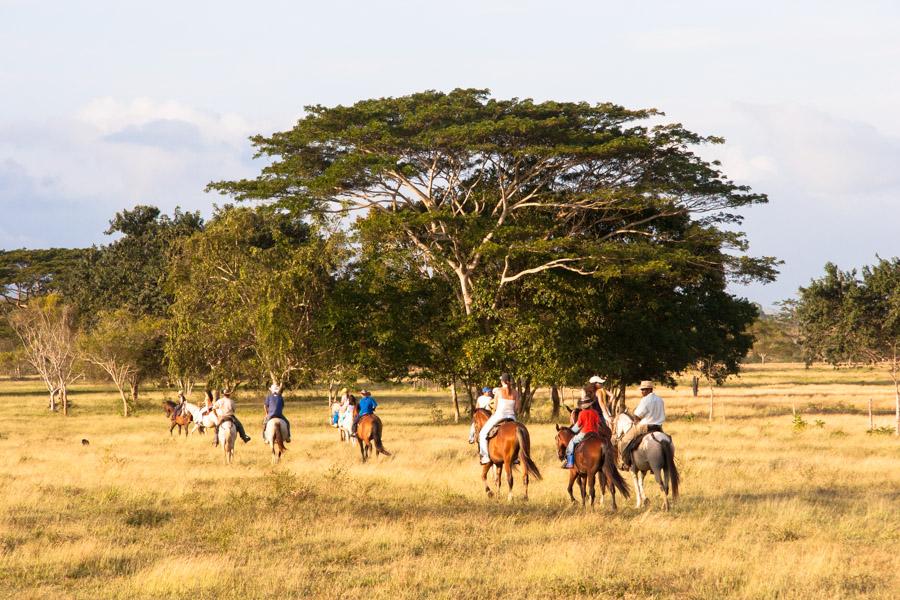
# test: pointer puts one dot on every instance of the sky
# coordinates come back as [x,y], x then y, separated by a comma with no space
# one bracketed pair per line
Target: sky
[109,104]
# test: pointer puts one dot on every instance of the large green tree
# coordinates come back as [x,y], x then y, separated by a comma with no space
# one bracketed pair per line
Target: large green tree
[490,191]
[251,293]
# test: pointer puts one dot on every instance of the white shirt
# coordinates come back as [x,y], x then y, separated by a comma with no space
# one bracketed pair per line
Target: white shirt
[224,407]
[651,410]
[506,407]
[484,401]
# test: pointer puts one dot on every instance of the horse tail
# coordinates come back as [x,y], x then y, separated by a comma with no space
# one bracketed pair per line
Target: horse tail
[278,439]
[524,440]
[612,472]
[376,437]
[671,469]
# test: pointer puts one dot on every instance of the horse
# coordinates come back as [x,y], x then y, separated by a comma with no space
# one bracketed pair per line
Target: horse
[345,423]
[227,435]
[594,458]
[203,419]
[655,453]
[479,418]
[368,433]
[274,435]
[511,443]
[183,419]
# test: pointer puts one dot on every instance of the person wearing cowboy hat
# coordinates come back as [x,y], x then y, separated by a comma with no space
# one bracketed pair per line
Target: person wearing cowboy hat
[275,408]
[367,406]
[485,402]
[588,422]
[652,414]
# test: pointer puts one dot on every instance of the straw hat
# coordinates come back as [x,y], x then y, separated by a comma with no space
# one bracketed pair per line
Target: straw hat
[646,385]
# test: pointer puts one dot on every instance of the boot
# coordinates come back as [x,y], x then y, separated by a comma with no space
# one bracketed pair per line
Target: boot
[246,438]
[569,462]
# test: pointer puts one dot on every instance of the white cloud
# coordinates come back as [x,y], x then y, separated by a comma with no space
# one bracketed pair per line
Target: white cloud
[112,155]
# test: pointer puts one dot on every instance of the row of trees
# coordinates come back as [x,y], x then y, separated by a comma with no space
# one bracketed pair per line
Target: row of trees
[448,236]
[853,318]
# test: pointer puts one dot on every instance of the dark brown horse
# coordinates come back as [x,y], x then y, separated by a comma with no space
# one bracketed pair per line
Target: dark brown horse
[368,433]
[594,458]
[511,443]
[181,420]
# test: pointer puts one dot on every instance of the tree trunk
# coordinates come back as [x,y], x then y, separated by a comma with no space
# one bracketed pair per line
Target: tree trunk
[53,393]
[619,401]
[554,399]
[472,397]
[762,359]
[695,385]
[712,401]
[64,394]
[896,408]
[134,392]
[455,401]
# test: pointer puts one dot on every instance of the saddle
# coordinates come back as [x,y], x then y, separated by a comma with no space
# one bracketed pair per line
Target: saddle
[493,430]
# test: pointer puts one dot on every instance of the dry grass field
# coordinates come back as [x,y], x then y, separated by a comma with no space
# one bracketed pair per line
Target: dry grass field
[767,510]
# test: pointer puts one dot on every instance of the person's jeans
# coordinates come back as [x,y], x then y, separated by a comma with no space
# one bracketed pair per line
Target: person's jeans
[239,426]
[570,449]
[334,418]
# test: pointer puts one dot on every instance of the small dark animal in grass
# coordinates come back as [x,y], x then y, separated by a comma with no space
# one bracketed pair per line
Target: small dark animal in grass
[182,421]
[84,442]
[594,458]
[368,432]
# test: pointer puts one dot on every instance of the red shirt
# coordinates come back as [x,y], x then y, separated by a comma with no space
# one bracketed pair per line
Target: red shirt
[588,421]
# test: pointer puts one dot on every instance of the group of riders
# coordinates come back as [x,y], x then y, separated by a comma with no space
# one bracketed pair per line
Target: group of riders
[221,409]
[591,417]
[346,406]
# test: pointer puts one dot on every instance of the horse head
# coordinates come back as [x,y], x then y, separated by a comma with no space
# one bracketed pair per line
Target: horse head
[563,435]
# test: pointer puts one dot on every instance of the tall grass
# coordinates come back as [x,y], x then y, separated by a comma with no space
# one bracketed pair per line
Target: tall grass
[767,511]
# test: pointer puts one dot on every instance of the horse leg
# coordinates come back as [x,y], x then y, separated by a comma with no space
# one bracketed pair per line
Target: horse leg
[172,428]
[592,481]
[663,486]
[637,488]
[484,472]
[362,448]
[509,479]
[498,472]
[641,476]
[572,476]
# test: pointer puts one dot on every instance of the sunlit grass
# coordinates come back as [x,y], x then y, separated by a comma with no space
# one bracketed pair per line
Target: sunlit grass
[766,511]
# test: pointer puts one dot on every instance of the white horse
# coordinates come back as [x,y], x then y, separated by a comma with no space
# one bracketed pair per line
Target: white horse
[345,425]
[275,434]
[202,420]
[655,453]
[227,435]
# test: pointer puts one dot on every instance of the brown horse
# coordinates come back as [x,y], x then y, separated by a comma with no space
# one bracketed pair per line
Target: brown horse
[182,420]
[368,433]
[479,418]
[594,458]
[511,443]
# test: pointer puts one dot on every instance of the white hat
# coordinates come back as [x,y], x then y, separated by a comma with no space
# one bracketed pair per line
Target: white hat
[275,388]
[646,385]
[596,379]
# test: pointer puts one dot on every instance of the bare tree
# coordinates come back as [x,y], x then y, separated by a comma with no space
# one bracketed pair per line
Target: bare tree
[47,330]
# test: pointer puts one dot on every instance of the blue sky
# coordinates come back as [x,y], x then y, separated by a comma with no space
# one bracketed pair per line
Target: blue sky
[104,105]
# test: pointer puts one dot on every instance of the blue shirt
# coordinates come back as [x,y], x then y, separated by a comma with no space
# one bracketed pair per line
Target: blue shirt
[274,406]
[367,405]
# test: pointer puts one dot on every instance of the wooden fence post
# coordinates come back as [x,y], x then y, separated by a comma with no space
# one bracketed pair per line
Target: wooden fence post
[871,421]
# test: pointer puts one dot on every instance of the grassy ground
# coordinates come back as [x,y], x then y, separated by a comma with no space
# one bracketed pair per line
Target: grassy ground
[766,511]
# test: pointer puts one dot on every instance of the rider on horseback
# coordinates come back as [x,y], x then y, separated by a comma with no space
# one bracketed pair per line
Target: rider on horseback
[507,399]
[179,408]
[485,402]
[224,410]
[275,408]
[367,406]
[588,422]
[652,413]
